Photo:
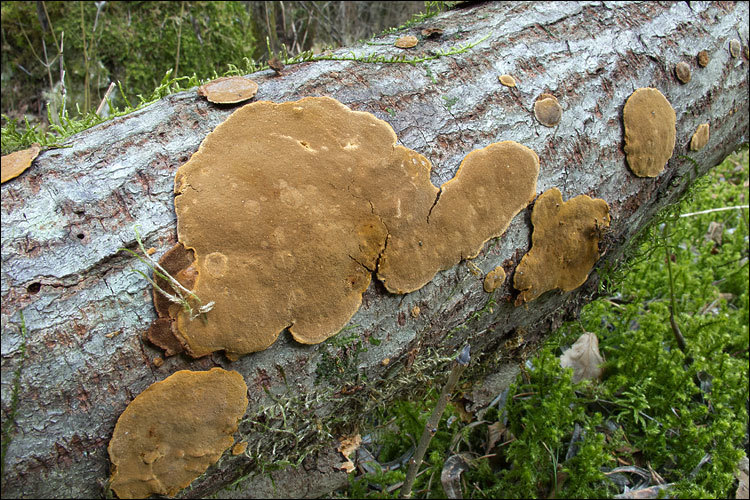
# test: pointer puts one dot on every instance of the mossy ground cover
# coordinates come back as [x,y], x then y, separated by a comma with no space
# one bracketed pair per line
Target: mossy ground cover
[679,416]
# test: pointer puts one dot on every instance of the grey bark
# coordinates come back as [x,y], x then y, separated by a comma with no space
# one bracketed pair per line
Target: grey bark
[64,220]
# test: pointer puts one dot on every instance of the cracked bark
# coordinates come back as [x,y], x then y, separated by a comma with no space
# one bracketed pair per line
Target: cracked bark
[65,218]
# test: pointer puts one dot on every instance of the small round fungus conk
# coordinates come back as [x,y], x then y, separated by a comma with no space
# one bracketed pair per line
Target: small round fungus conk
[682,71]
[406,42]
[15,164]
[507,80]
[700,137]
[284,200]
[174,430]
[564,244]
[229,90]
[650,132]
[547,110]
[494,279]
[734,47]
[703,58]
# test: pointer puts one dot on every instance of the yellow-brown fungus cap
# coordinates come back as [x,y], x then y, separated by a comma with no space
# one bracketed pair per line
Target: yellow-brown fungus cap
[547,110]
[229,90]
[700,137]
[682,71]
[564,244]
[284,200]
[15,164]
[494,279]
[174,430]
[734,47]
[507,80]
[406,42]
[649,131]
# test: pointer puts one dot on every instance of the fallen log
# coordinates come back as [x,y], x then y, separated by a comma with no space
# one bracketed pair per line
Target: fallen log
[69,373]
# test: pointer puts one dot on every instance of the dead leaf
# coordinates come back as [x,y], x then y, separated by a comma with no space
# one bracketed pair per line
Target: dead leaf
[715,232]
[494,435]
[14,164]
[584,358]
[451,475]
[347,446]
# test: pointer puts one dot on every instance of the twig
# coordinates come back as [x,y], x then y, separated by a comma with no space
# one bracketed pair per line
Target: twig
[459,365]
[105,98]
[672,321]
[736,207]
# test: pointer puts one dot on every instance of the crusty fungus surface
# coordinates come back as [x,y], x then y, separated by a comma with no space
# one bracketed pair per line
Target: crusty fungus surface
[289,208]
[734,47]
[700,137]
[650,132]
[682,71]
[406,42]
[494,279]
[14,164]
[703,58]
[229,90]
[547,110]
[507,80]
[564,244]
[174,430]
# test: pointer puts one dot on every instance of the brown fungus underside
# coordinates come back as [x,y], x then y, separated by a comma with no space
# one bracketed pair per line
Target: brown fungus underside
[564,244]
[174,430]
[289,209]
[650,131]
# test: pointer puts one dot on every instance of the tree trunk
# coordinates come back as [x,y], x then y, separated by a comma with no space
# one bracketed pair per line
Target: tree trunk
[85,309]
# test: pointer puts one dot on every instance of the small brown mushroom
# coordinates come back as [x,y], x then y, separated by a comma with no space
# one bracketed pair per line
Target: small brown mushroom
[547,110]
[406,42]
[507,80]
[650,132]
[229,90]
[703,58]
[15,164]
[432,32]
[700,137]
[734,47]
[494,279]
[171,432]
[276,65]
[682,71]
[565,244]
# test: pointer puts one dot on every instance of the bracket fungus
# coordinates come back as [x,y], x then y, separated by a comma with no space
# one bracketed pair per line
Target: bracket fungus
[734,47]
[494,279]
[564,244]
[284,200]
[650,131]
[547,110]
[703,58]
[14,164]
[174,430]
[700,137]
[229,90]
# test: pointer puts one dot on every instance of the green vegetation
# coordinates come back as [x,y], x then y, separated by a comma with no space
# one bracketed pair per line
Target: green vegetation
[682,414]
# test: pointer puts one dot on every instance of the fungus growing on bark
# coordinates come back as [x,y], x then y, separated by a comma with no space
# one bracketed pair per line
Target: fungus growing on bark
[547,110]
[229,90]
[171,432]
[700,137]
[319,199]
[682,71]
[15,164]
[649,131]
[703,58]
[406,42]
[564,244]
[507,80]
[239,448]
[734,47]
[494,279]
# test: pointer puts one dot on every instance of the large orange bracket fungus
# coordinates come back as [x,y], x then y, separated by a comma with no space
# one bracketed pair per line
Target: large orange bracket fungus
[650,132]
[171,432]
[564,244]
[288,209]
